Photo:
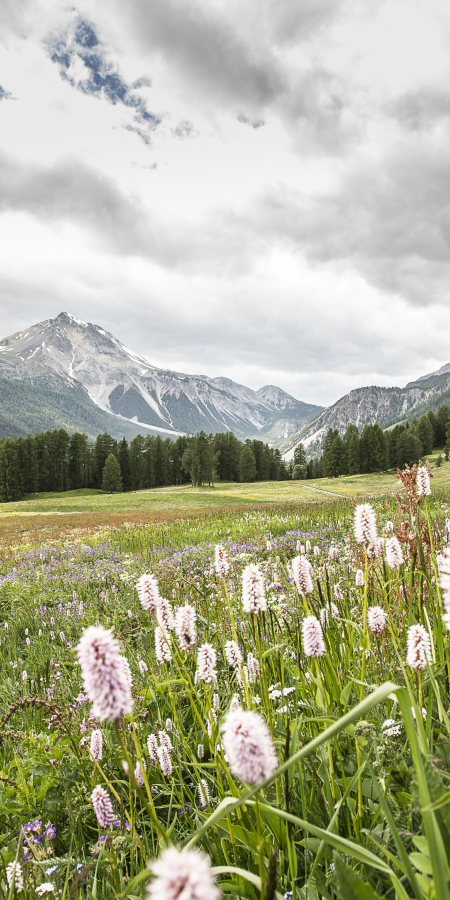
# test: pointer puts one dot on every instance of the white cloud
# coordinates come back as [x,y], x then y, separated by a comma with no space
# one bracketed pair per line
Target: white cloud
[289,221]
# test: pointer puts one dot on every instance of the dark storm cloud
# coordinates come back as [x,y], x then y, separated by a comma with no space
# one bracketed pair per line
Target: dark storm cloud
[103,78]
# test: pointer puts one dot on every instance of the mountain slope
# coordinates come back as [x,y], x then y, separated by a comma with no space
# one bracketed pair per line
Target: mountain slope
[123,384]
[374,404]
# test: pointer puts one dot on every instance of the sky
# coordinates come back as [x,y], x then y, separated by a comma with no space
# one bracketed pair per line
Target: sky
[252,188]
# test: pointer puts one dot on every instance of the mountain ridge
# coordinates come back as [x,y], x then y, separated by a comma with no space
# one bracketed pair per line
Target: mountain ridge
[126,386]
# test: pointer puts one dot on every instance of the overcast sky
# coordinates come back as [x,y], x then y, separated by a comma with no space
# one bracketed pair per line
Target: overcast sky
[251,188]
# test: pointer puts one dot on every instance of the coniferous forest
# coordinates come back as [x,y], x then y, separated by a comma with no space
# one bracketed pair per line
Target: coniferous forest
[54,461]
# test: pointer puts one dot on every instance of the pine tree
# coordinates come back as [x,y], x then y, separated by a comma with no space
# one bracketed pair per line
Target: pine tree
[76,453]
[247,464]
[201,459]
[426,435]
[123,457]
[10,476]
[353,454]
[112,479]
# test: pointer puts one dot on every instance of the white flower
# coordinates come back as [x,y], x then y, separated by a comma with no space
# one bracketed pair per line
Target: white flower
[221,563]
[313,644]
[394,554]
[253,596]
[365,525]
[185,626]
[248,746]
[233,654]
[46,888]
[376,619]
[419,647]
[423,482]
[302,577]
[391,728]
[206,663]
[184,875]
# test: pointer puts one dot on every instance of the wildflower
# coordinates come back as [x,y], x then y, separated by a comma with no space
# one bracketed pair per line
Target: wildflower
[129,614]
[248,746]
[97,744]
[308,546]
[103,674]
[253,667]
[143,667]
[316,550]
[216,701]
[376,619]
[169,725]
[162,648]
[334,553]
[165,741]
[45,888]
[338,593]
[313,644]
[24,675]
[394,555]
[102,807]
[390,728]
[365,525]
[423,482]
[126,671]
[206,662]
[165,616]
[203,792]
[221,563]
[14,874]
[389,527]
[235,703]
[152,747]
[422,711]
[233,654]
[253,596]
[182,875]
[302,576]
[148,592]
[419,647]
[185,626]
[200,751]
[164,761]
[138,773]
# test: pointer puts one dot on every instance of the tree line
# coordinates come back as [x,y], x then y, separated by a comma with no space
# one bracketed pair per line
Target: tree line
[54,461]
[375,450]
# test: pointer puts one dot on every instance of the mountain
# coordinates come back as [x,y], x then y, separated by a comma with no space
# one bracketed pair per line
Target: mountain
[75,375]
[368,405]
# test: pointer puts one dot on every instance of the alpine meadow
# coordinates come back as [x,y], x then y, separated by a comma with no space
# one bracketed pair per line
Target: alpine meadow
[225,450]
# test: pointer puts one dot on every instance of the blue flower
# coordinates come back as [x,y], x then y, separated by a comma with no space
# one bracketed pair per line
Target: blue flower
[50,870]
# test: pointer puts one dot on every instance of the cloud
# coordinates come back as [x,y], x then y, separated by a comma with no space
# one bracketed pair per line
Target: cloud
[206,49]
[4,94]
[184,130]
[258,123]
[82,62]
[421,110]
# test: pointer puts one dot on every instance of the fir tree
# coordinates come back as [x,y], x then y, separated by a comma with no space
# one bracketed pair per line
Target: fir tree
[123,457]
[247,464]
[112,479]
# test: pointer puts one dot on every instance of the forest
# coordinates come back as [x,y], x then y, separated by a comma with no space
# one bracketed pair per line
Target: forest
[54,461]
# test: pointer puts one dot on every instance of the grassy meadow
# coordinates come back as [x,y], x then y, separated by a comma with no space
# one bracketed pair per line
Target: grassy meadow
[357,804]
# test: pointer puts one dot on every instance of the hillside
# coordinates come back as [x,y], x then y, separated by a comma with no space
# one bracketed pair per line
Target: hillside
[368,405]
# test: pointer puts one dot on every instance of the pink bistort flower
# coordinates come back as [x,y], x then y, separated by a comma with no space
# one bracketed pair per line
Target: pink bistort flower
[104,679]
[248,746]
[102,807]
[184,875]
